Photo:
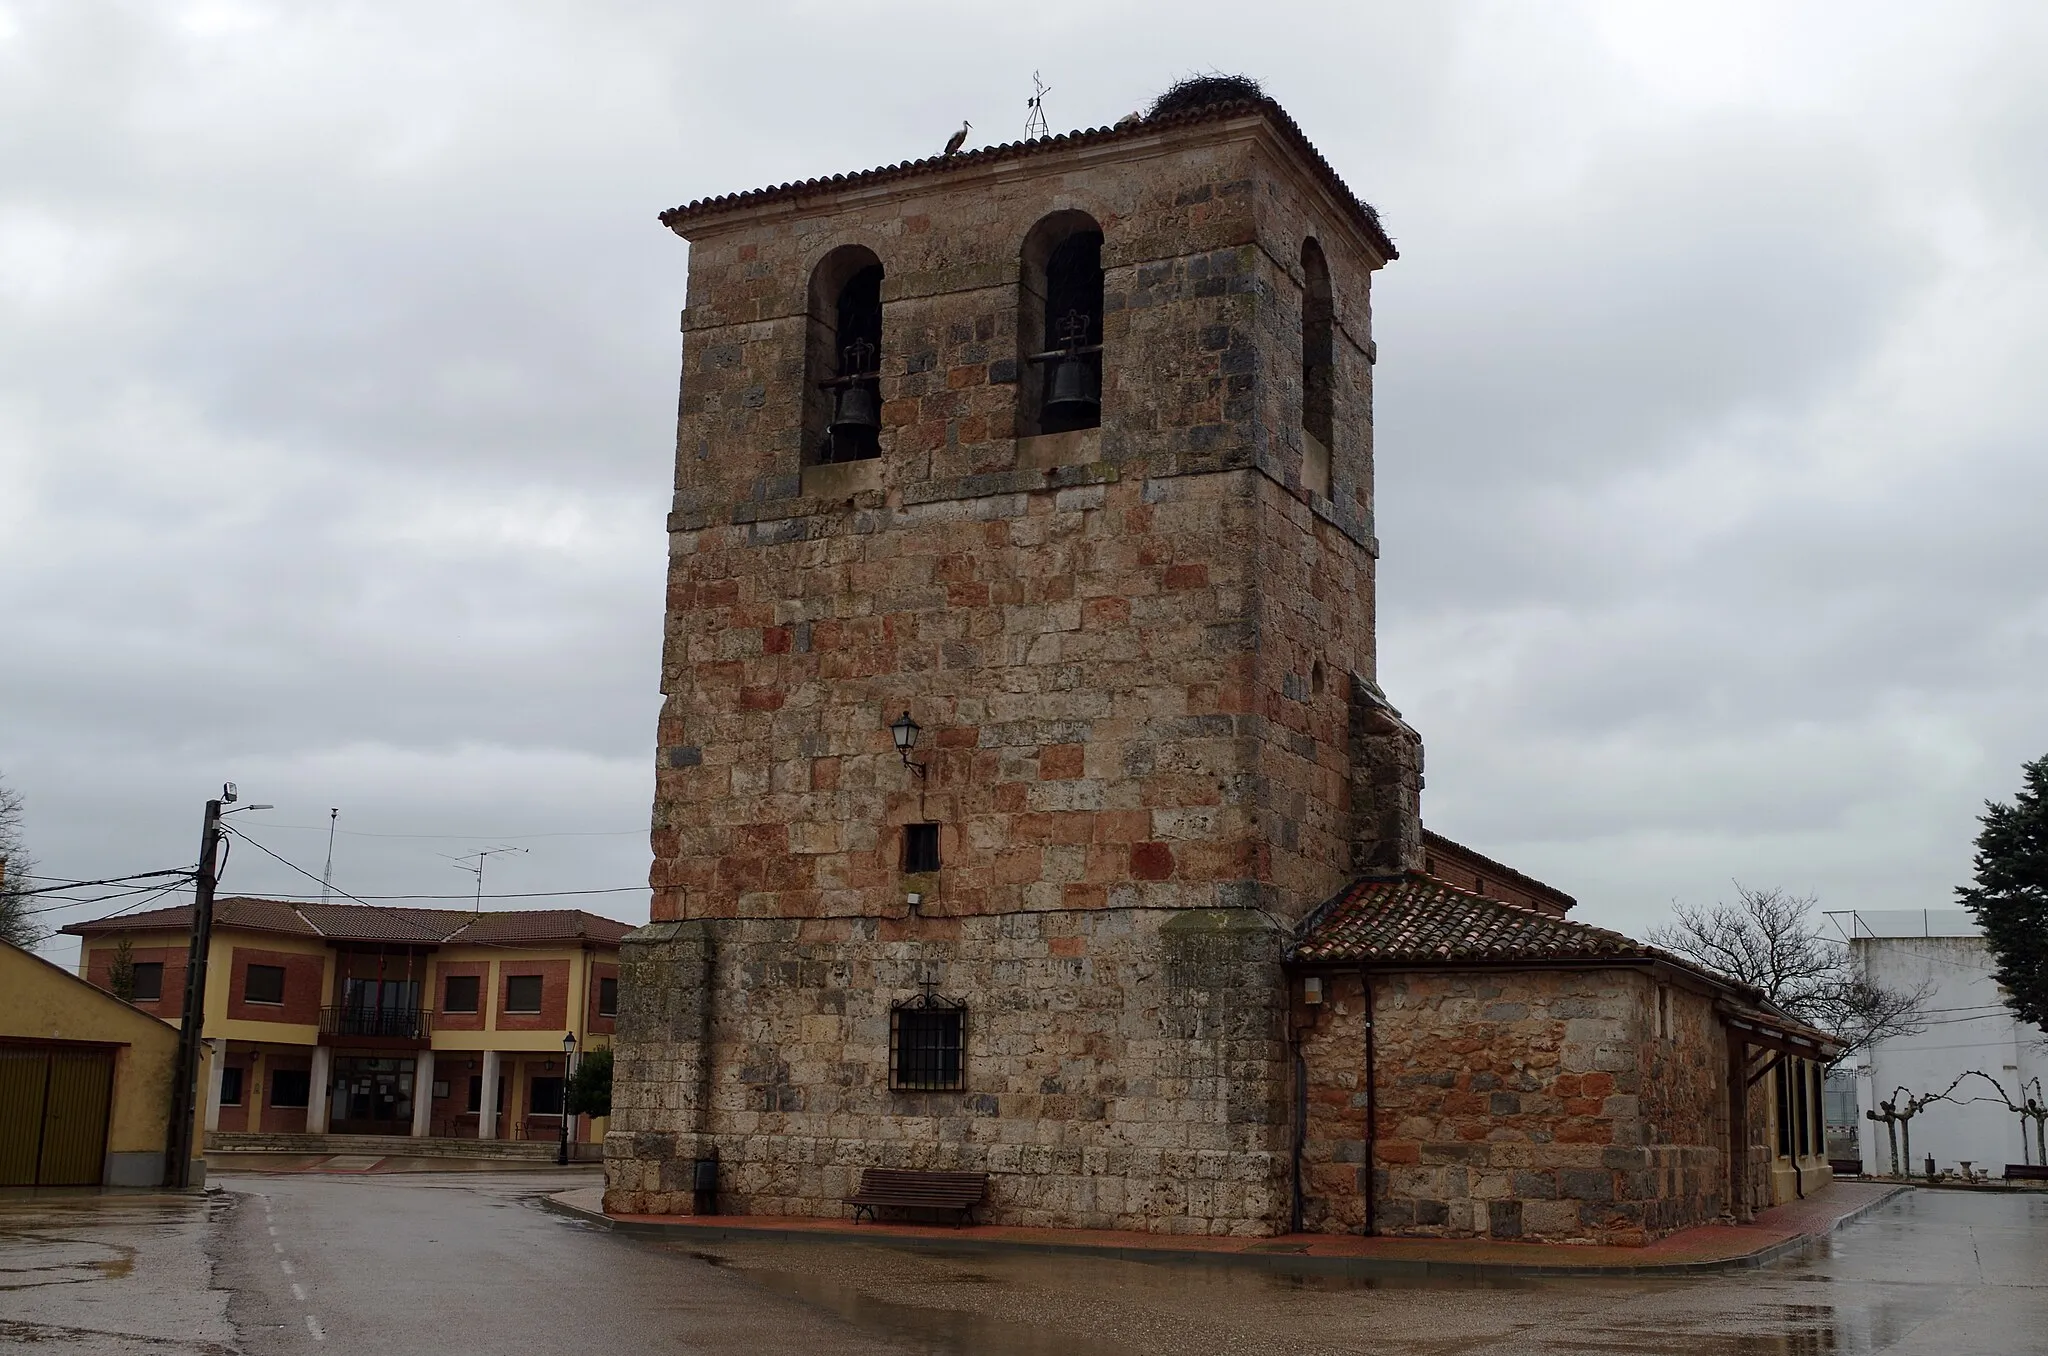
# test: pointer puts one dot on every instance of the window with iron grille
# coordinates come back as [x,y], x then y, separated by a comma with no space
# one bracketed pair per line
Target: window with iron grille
[920,847]
[544,1097]
[230,1087]
[928,1045]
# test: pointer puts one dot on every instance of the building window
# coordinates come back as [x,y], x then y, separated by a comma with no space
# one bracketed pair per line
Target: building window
[544,1097]
[608,997]
[927,1045]
[1059,326]
[476,1094]
[459,993]
[522,993]
[842,358]
[149,981]
[230,1087]
[920,847]
[1318,369]
[288,1087]
[264,984]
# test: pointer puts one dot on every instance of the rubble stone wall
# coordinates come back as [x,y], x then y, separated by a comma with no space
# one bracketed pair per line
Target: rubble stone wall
[1128,647]
[1534,1104]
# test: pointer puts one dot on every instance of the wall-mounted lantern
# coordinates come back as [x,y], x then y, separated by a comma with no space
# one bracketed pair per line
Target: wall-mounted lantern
[904,731]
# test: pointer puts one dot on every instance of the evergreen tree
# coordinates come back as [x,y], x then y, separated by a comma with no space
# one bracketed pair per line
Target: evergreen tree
[2010,897]
[590,1087]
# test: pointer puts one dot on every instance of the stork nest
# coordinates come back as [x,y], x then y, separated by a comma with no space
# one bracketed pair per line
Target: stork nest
[1202,91]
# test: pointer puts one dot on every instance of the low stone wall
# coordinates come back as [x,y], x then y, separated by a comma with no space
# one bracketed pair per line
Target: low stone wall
[1125,1069]
[1538,1104]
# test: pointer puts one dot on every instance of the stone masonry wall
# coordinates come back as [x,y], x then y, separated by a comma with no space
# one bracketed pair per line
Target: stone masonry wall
[1128,647]
[1106,1068]
[1532,1104]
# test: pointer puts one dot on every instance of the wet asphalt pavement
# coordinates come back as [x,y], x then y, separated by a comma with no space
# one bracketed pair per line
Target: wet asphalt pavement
[447,1265]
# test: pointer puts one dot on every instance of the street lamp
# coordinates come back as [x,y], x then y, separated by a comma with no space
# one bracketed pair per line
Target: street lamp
[568,1054]
[904,731]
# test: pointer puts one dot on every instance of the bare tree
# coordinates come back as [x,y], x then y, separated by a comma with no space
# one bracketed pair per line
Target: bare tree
[17,923]
[1770,940]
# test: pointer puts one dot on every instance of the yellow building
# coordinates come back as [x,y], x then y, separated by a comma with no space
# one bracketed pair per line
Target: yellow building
[357,1019]
[85,1081]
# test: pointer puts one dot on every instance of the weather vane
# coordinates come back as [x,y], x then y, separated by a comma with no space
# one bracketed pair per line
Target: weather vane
[1034,124]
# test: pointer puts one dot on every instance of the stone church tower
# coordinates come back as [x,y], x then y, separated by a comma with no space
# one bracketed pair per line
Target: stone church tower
[1064,450]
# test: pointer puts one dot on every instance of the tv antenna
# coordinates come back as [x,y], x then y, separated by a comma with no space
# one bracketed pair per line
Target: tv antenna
[327,871]
[464,863]
[1034,123]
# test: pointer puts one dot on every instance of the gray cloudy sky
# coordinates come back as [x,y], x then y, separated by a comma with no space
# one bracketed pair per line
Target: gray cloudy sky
[337,372]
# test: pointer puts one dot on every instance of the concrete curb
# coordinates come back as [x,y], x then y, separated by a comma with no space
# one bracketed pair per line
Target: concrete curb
[1278,1260]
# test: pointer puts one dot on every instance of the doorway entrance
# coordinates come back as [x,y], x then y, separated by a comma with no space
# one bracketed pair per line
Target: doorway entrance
[371,1096]
[54,1102]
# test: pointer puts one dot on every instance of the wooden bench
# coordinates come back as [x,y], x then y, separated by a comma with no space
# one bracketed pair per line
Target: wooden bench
[1846,1167]
[2026,1172]
[960,1191]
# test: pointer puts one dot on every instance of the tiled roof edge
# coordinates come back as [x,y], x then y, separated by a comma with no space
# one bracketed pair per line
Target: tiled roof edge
[1430,836]
[1368,217]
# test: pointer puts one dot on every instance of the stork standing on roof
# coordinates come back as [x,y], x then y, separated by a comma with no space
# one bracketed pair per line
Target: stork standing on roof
[954,143]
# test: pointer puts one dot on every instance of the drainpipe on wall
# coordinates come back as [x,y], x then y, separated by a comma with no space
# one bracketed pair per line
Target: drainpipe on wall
[1300,1125]
[1372,1112]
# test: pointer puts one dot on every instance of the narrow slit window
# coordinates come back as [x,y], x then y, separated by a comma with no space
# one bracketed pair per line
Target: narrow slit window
[608,997]
[920,847]
[1318,369]
[230,1087]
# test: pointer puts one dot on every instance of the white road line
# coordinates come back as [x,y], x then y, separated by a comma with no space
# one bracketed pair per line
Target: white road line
[298,1292]
[286,1265]
[273,1230]
[313,1326]
[276,1246]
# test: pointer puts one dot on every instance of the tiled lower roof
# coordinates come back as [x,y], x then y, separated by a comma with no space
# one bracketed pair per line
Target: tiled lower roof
[1420,918]
[1417,919]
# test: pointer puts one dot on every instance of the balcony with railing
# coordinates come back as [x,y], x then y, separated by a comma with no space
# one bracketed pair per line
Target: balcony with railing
[376,1026]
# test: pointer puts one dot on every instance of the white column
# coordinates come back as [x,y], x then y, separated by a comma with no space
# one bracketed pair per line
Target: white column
[316,1090]
[218,1059]
[487,1104]
[422,1093]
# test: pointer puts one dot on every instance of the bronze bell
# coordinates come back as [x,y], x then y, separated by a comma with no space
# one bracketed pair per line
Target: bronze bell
[1074,394]
[855,411]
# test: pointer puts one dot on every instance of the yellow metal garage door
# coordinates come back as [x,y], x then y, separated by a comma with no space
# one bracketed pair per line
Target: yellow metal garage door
[53,1115]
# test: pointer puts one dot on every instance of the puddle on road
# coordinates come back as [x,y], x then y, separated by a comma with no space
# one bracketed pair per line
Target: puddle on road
[1022,1305]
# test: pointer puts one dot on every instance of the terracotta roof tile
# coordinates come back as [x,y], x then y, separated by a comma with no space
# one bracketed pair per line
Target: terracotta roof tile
[1417,919]
[1420,918]
[376,923]
[675,218]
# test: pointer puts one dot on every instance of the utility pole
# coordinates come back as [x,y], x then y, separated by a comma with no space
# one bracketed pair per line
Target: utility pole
[184,1091]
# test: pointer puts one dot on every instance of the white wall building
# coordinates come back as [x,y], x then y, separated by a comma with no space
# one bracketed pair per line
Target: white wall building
[1967,1026]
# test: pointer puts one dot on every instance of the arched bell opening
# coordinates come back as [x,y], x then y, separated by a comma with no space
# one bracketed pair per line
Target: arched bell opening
[1318,369]
[842,358]
[1059,326]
